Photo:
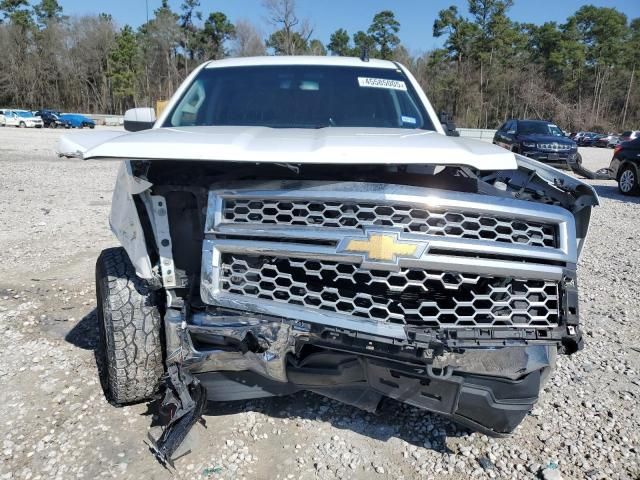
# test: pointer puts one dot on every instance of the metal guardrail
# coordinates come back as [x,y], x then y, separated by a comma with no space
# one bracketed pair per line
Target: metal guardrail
[483,134]
[110,120]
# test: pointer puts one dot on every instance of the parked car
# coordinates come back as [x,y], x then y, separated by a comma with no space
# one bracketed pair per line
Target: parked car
[78,121]
[603,141]
[577,136]
[538,139]
[614,141]
[21,119]
[589,139]
[51,119]
[625,167]
[629,135]
[284,227]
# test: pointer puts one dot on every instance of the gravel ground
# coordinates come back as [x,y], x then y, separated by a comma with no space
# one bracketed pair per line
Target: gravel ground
[55,423]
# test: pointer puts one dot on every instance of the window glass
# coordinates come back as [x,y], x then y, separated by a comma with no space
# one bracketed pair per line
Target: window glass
[300,97]
[539,128]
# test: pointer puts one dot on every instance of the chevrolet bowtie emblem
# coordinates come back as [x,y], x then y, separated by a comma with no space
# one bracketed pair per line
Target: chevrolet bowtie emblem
[383,247]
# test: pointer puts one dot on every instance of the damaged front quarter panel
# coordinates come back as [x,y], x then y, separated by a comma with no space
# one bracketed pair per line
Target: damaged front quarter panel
[542,183]
[125,222]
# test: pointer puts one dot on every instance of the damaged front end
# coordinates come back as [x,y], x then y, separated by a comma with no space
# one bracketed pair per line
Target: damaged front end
[446,288]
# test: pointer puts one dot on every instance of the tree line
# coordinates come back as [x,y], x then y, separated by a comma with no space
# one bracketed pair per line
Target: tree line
[581,73]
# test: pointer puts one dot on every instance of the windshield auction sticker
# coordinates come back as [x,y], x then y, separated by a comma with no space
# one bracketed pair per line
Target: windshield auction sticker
[382,83]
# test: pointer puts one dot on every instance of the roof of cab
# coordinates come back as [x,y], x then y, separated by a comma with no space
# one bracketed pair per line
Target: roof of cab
[300,60]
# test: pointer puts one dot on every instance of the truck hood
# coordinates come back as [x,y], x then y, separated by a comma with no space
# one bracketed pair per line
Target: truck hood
[332,145]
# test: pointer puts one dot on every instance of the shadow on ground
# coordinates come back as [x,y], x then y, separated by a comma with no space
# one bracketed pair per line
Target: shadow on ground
[392,419]
[84,334]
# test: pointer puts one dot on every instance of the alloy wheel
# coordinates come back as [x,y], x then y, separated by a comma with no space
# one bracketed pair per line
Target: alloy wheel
[627,181]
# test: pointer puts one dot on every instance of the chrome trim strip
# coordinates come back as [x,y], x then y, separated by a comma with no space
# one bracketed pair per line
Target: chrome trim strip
[427,261]
[419,196]
[452,244]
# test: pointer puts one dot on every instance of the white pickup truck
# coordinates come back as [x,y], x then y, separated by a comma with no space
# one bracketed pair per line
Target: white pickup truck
[303,223]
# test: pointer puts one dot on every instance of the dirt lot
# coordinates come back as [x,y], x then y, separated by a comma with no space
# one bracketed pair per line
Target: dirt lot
[55,423]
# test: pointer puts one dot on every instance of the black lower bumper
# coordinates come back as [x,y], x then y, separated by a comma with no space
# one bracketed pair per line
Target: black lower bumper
[235,357]
[493,405]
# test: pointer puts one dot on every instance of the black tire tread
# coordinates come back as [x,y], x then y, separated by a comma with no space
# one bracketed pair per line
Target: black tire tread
[130,330]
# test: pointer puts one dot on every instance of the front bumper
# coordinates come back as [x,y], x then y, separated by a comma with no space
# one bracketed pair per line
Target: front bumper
[287,303]
[564,159]
[241,356]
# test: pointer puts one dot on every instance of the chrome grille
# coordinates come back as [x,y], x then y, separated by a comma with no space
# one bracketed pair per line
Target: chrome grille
[408,218]
[409,296]
[555,147]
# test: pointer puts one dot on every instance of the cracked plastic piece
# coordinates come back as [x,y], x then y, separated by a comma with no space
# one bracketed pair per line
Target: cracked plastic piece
[184,401]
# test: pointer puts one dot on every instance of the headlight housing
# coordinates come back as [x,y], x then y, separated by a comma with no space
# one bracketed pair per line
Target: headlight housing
[529,144]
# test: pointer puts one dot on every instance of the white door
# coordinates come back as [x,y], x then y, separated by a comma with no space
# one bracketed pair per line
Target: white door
[11,119]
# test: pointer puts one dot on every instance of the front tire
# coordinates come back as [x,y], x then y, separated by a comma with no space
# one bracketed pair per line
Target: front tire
[628,181]
[22,125]
[579,160]
[129,322]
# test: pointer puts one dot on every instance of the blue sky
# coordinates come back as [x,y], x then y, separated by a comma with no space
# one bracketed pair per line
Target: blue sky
[416,16]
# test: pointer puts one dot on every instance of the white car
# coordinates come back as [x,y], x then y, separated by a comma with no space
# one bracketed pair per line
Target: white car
[19,118]
[303,223]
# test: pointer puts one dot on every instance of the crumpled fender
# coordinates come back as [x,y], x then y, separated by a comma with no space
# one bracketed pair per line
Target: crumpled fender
[558,187]
[580,197]
[125,222]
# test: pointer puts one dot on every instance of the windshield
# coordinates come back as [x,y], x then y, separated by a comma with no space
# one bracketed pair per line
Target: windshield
[24,114]
[300,97]
[539,128]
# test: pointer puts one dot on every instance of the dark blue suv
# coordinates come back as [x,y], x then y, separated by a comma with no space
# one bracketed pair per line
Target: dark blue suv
[540,140]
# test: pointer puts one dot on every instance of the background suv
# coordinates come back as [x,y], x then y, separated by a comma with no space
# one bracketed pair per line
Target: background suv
[538,139]
[629,135]
[625,167]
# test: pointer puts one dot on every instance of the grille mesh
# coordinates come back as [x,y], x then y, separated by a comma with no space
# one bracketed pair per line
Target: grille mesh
[417,297]
[406,217]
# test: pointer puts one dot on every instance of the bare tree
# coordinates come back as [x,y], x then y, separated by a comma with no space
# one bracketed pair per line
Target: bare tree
[247,41]
[292,34]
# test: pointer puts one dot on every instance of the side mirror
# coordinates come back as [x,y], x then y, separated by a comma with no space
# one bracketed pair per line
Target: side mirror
[450,129]
[138,119]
